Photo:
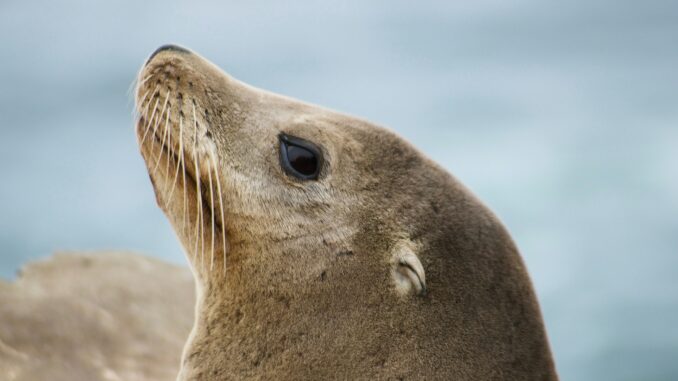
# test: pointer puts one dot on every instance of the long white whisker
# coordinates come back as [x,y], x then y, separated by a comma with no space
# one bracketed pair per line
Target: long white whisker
[165,135]
[135,86]
[140,114]
[145,79]
[150,120]
[143,99]
[198,203]
[155,127]
[181,157]
[209,176]
[141,103]
[183,167]
[221,209]
[169,144]
[147,97]
[200,222]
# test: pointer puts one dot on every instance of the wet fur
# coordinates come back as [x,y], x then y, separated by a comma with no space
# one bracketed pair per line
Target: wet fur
[298,285]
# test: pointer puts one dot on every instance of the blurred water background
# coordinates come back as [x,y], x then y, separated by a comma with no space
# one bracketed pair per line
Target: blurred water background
[561,116]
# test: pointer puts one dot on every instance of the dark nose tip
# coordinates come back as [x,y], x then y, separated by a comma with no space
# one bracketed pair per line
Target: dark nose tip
[168,47]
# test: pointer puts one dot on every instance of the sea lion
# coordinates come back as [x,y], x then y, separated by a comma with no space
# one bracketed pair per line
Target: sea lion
[102,316]
[325,247]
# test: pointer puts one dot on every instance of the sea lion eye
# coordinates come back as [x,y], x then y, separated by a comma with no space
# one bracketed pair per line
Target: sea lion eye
[300,158]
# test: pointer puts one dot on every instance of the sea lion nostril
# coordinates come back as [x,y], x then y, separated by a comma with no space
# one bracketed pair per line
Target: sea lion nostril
[170,47]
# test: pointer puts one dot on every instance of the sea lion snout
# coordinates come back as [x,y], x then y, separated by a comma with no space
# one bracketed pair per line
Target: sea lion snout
[167,47]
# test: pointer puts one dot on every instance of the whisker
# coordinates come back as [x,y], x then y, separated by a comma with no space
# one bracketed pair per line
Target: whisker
[150,120]
[145,79]
[141,113]
[181,154]
[183,167]
[147,97]
[141,103]
[155,127]
[209,176]
[135,86]
[198,204]
[221,209]
[169,144]
[200,222]
[164,135]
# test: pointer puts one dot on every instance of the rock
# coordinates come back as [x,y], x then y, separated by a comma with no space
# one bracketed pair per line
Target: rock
[96,316]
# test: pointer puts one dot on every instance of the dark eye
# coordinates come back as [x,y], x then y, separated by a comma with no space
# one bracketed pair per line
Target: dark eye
[300,158]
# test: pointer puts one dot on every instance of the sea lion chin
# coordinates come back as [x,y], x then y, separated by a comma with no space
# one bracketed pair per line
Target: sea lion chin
[324,246]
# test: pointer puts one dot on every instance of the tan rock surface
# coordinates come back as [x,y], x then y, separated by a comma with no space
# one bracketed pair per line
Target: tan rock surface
[97,316]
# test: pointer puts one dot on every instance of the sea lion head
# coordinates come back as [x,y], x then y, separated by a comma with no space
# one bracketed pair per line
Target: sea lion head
[324,245]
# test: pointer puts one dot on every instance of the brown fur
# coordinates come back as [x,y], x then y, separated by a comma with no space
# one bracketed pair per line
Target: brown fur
[301,285]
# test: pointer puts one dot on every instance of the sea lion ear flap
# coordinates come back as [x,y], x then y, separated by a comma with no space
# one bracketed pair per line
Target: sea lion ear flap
[407,270]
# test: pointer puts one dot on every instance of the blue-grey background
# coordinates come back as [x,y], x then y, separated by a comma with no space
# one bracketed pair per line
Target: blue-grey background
[562,116]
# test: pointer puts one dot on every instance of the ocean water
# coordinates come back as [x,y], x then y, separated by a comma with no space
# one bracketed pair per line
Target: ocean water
[561,116]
